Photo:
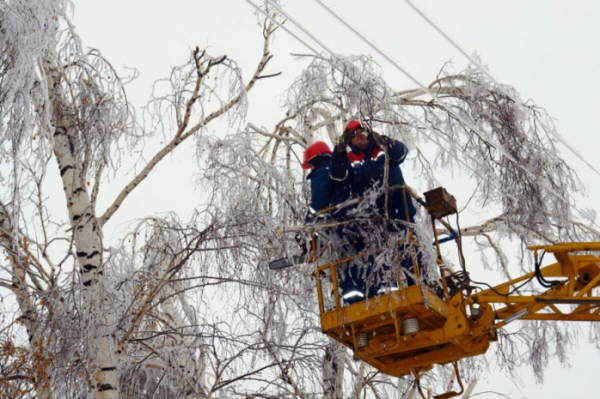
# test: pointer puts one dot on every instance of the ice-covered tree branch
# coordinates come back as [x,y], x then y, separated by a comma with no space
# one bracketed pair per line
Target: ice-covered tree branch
[201,69]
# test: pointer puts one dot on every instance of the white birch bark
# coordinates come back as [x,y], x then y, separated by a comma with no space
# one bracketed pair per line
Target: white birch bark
[87,239]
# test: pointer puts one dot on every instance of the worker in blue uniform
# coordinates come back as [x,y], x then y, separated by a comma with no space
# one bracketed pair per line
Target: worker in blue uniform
[324,192]
[359,161]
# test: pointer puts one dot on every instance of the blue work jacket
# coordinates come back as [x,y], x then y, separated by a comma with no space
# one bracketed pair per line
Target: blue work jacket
[364,171]
[325,192]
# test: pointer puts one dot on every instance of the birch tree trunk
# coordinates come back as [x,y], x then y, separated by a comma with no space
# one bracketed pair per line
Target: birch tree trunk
[87,238]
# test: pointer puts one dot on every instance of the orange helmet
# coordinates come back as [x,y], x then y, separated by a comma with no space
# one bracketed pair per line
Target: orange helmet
[316,148]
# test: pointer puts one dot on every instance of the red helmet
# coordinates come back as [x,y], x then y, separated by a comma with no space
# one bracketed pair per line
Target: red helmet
[353,125]
[316,148]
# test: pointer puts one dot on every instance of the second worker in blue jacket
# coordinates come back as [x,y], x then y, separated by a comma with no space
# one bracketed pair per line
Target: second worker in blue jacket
[324,192]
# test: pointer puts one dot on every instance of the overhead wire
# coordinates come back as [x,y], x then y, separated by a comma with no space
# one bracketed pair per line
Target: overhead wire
[280,25]
[557,135]
[553,132]
[289,17]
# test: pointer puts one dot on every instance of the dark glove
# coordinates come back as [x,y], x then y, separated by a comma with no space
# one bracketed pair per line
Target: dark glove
[344,140]
[380,140]
[301,241]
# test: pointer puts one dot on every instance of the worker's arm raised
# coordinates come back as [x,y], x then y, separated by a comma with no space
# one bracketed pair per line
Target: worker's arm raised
[397,151]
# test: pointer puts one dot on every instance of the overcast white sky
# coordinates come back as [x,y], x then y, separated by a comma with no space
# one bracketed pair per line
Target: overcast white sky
[548,50]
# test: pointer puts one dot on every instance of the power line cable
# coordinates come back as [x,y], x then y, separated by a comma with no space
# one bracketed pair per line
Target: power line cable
[557,135]
[280,25]
[307,32]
